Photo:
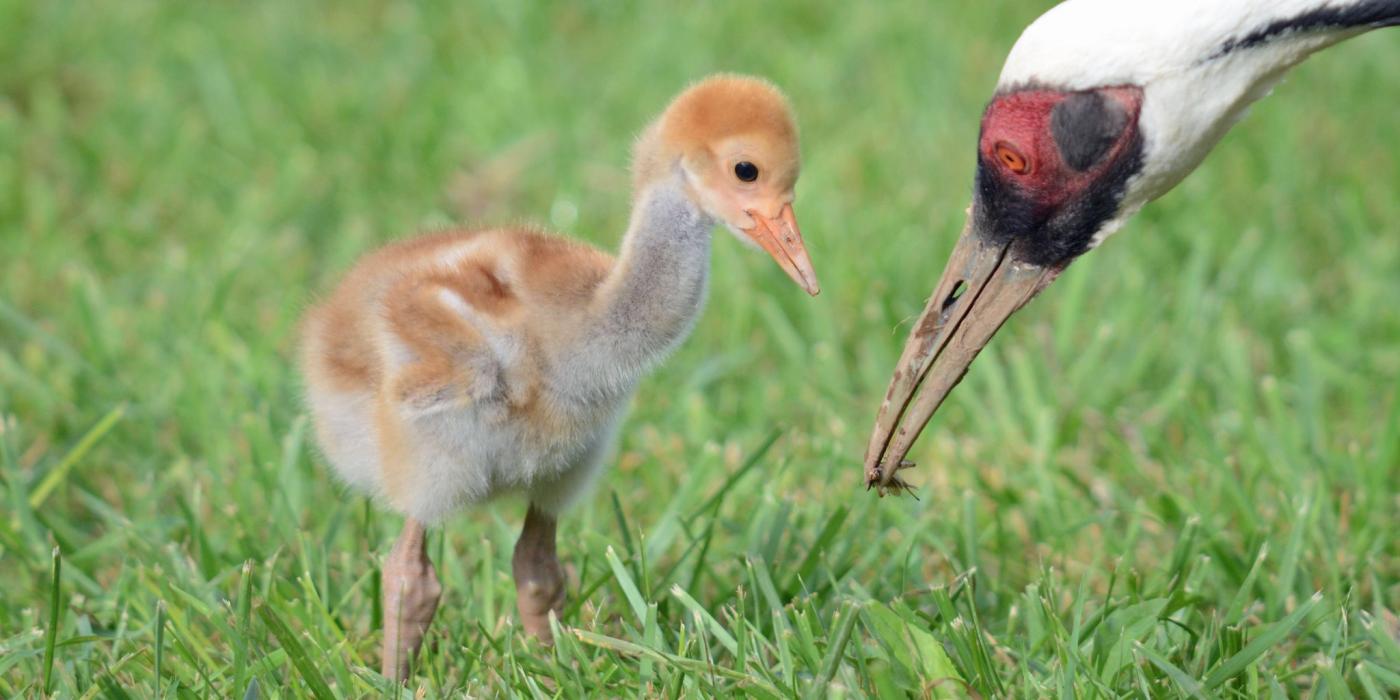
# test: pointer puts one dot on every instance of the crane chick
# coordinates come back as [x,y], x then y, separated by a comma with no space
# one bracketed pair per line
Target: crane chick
[451,368]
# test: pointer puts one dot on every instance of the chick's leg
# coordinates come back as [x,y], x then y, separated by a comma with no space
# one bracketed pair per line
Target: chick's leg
[539,579]
[411,593]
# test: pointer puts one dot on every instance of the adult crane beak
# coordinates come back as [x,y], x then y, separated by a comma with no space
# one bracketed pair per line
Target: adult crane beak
[983,284]
[783,240]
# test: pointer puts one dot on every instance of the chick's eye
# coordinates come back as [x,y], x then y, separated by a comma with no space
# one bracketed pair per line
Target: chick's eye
[1012,158]
[746,171]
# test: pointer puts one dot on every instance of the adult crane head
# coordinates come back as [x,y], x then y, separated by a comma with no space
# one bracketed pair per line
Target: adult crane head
[1103,106]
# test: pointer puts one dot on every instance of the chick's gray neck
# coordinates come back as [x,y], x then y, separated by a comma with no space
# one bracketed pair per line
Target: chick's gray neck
[655,292]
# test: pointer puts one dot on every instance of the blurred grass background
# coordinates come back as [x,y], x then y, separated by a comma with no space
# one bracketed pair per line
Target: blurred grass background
[1138,489]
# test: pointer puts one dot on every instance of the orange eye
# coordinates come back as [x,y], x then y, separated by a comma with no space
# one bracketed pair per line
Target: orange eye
[1012,158]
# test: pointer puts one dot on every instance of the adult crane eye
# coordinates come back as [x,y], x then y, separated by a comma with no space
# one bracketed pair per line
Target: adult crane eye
[1012,158]
[746,171]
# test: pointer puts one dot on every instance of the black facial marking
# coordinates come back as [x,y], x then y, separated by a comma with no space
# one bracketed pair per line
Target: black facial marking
[1371,14]
[1053,235]
[1085,127]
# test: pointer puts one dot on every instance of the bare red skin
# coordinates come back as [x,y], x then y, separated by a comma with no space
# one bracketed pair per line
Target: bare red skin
[1020,121]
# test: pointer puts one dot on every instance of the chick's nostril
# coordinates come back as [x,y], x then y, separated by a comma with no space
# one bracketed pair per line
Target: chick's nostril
[956,294]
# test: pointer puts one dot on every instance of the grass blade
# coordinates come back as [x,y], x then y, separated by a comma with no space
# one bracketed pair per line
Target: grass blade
[850,612]
[1237,663]
[56,475]
[160,649]
[750,463]
[629,587]
[637,650]
[296,653]
[824,539]
[622,526]
[1182,680]
[710,622]
[110,688]
[55,614]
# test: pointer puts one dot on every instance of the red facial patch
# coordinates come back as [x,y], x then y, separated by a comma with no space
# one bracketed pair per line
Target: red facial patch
[1018,141]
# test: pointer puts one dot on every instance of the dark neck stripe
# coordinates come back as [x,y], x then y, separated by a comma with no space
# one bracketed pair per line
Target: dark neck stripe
[1371,14]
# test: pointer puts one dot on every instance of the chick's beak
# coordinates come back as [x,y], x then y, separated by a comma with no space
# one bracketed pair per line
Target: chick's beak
[983,284]
[783,240]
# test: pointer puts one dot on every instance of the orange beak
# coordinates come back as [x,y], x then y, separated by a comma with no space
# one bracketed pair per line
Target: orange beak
[783,240]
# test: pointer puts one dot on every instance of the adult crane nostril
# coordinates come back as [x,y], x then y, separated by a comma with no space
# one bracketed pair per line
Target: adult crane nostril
[956,294]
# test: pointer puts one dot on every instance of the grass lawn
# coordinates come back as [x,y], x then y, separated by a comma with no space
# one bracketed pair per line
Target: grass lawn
[1174,475]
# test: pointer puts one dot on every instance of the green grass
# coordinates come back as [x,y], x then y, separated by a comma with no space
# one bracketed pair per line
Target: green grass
[1173,475]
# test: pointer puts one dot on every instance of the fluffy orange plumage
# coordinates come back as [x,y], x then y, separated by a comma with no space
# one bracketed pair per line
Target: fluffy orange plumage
[446,369]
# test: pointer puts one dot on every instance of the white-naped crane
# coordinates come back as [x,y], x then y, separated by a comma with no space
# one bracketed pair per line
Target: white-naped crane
[1102,107]
[449,369]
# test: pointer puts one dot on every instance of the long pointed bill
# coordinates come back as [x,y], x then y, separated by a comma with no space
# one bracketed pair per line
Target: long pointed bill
[981,287]
[783,240]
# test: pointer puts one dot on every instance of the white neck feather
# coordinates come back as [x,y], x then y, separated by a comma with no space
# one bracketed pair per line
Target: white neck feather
[650,301]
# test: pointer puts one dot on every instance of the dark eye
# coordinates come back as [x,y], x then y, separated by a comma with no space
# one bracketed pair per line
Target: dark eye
[746,171]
